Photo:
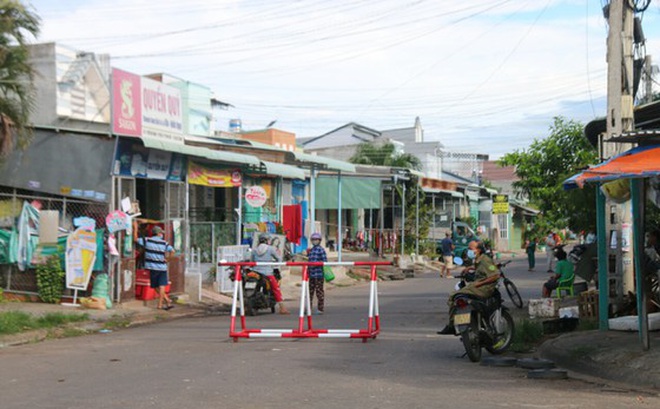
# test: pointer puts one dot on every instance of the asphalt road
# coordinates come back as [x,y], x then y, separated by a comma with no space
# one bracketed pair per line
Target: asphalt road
[191,363]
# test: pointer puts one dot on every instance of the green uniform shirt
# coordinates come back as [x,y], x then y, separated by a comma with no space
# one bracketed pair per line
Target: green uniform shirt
[485,267]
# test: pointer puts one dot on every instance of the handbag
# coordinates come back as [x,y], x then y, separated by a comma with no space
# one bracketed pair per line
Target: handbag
[328,274]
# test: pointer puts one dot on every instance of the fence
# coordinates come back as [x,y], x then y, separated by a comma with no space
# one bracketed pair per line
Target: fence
[11,203]
[208,236]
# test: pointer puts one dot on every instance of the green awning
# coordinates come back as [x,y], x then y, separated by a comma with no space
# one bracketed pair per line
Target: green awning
[219,156]
[286,171]
[356,193]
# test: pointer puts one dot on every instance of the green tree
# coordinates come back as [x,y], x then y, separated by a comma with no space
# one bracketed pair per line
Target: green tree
[384,155]
[17,25]
[546,164]
[387,155]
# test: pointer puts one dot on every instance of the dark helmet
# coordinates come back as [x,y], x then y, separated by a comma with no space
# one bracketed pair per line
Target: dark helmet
[263,238]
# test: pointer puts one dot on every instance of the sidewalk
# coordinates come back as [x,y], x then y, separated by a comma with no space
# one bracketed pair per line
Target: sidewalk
[128,314]
[616,356]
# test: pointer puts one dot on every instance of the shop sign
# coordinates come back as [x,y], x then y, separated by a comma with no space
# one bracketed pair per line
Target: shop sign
[256,196]
[117,220]
[501,204]
[213,177]
[134,160]
[142,106]
[80,257]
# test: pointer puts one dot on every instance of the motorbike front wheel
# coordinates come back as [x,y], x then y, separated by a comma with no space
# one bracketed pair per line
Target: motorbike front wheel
[503,327]
[470,339]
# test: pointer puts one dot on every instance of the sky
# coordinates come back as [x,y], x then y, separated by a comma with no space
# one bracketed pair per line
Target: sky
[483,76]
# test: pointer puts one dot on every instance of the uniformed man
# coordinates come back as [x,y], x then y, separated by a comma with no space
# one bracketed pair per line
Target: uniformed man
[486,276]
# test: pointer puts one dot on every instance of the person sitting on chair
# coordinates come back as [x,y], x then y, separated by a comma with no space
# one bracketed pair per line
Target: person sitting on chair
[563,272]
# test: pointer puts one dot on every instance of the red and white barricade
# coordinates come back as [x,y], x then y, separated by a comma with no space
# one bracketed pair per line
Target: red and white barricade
[305,315]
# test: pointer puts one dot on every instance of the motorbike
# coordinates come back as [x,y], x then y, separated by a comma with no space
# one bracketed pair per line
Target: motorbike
[257,292]
[482,323]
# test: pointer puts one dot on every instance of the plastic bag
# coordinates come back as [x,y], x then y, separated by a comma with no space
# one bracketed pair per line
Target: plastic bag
[328,274]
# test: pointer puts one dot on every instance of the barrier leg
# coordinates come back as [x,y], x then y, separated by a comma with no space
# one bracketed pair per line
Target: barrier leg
[238,289]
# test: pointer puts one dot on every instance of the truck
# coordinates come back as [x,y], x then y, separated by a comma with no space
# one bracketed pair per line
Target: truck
[461,234]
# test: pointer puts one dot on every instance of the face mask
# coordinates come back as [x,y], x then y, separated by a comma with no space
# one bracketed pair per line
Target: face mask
[471,254]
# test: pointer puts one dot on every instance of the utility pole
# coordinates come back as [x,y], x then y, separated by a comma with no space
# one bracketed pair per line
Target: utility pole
[619,119]
[648,78]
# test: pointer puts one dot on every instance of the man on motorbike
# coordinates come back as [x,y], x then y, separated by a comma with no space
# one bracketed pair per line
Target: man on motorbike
[486,276]
[267,253]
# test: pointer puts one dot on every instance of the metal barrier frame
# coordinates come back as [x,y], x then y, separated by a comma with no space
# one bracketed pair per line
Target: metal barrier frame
[373,323]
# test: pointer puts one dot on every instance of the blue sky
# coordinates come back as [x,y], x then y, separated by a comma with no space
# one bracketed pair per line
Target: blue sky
[484,76]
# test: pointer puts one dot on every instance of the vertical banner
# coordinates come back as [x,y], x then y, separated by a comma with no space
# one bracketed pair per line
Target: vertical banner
[501,204]
[126,103]
[79,259]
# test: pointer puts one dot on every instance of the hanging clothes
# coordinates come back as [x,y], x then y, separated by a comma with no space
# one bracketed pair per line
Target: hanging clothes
[292,222]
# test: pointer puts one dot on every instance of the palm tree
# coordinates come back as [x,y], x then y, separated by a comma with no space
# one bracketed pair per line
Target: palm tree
[17,97]
[384,155]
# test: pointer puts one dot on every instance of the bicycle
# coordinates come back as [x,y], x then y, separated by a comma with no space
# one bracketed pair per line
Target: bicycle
[510,287]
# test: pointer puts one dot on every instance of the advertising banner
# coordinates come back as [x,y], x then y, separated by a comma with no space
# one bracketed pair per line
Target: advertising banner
[214,177]
[126,103]
[80,258]
[134,160]
[501,204]
[256,196]
[142,106]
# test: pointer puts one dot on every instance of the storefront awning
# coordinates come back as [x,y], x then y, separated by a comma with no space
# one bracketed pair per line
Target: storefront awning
[640,162]
[451,193]
[286,171]
[329,163]
[214,155]
[356,193]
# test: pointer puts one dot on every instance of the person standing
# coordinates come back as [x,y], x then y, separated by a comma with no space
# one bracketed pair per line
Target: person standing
[267,253]
[156,254]
[447,248]
[316,278]
[550,250]
[530,249]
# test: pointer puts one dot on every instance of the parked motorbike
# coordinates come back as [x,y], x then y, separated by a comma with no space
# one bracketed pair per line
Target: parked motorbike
[257,292]
[483,323]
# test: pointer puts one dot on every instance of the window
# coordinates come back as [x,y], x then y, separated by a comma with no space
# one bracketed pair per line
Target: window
[503,223]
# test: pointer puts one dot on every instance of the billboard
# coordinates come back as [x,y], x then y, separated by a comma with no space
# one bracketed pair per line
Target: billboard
[144,107]
[501,204]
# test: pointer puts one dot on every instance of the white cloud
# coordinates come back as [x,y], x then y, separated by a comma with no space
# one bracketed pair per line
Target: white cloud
[466,68]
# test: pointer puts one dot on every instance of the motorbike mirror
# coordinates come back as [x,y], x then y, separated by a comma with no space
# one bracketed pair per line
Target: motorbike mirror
[458,261]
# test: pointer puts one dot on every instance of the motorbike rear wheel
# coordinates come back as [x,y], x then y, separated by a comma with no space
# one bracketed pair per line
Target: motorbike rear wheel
[471,342]
[502,340]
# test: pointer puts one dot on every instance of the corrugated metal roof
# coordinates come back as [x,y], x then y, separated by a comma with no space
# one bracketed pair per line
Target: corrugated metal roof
[215,155]
[286,171]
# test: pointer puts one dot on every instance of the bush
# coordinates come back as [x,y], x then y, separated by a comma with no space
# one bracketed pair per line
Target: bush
[50,280]
[527,335]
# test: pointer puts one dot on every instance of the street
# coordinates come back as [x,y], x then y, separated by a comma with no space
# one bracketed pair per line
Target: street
[191,363]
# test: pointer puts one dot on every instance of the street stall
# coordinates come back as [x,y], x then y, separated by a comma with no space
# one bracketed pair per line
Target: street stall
[632,176]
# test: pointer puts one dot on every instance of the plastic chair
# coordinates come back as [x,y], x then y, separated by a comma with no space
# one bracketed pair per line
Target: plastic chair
[566,285]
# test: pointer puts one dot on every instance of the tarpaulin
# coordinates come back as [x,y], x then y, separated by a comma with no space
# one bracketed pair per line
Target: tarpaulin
[640,162]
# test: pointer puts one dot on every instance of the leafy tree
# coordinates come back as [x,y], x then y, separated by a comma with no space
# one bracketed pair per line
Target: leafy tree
[384,155]
[546,164]
[387,155]
[17,24]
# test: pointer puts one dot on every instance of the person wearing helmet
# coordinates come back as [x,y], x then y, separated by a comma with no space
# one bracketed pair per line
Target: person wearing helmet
[316,279]
[267,253]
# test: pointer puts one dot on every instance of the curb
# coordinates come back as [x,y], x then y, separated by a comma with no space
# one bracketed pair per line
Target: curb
[132,319]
